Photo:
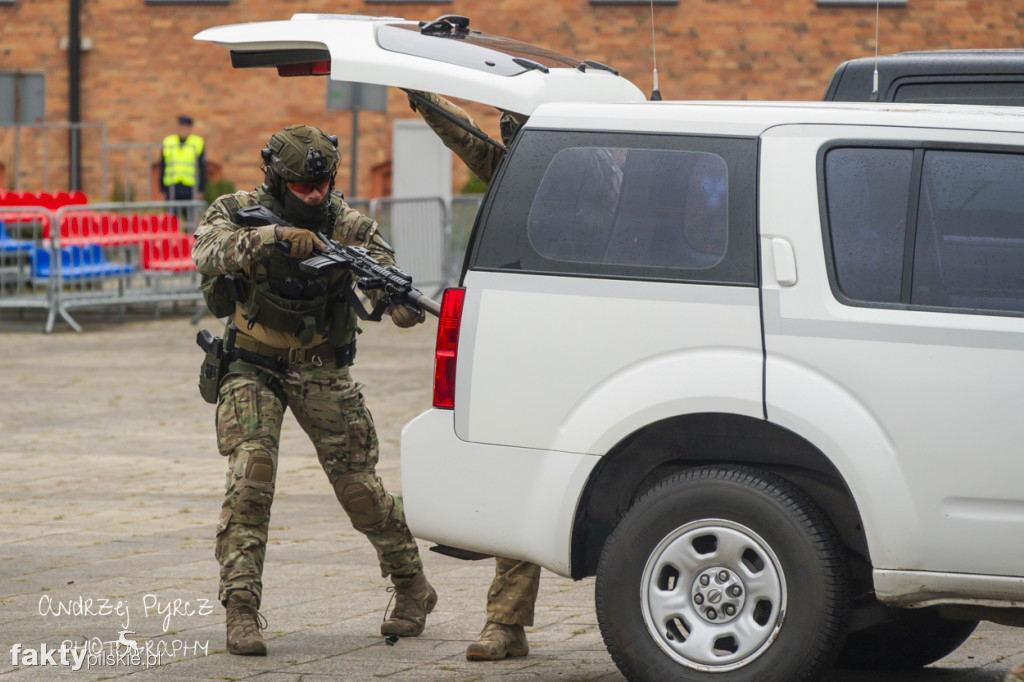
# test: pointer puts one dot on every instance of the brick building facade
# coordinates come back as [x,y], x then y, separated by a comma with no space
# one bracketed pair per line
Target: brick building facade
[140,68]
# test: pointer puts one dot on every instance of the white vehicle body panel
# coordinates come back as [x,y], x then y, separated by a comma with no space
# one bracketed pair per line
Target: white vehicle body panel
[929,588]
[525,510]
[356,56]
[620,355]
[754,118]
[930,453]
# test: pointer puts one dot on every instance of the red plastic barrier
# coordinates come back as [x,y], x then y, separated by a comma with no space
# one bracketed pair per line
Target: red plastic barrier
[111,229]
[77,229]
[50,200]
[168,253]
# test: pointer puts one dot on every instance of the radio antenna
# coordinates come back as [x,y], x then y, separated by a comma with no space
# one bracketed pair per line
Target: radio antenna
[656,93]
[874,82]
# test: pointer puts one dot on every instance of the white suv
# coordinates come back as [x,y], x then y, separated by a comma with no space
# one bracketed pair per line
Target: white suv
[756,366]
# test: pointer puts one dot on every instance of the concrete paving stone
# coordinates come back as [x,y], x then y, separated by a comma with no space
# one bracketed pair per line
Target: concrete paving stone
[358,615]
[381,659]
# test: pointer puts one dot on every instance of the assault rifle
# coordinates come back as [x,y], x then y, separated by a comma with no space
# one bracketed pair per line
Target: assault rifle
[396,284]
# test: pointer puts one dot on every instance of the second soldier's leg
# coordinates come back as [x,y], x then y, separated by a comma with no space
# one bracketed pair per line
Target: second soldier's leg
[248,431]
[510,603]
[337,420]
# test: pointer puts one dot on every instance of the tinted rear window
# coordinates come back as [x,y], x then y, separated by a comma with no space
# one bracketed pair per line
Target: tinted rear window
[641,206]
[632,207]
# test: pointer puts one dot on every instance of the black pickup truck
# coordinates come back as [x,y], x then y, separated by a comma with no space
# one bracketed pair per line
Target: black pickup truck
[938,76]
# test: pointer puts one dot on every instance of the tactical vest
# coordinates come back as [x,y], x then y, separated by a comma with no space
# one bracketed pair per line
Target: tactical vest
[279,295]
[180,160]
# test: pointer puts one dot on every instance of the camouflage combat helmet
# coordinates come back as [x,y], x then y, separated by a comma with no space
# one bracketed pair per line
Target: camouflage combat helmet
[299,153]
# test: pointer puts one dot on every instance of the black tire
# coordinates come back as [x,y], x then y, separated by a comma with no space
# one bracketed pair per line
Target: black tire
[687,544]
[915,638]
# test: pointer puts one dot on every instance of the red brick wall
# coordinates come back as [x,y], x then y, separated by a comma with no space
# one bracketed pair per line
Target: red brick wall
[144,68]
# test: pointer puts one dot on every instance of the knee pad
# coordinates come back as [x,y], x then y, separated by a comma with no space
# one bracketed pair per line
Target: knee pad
[359,492]
[253,464]
[260,468]
[250,490]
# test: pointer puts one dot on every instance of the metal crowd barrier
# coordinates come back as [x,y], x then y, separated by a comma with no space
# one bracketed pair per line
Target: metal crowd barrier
[128,254]
[417,229]
[21,239]
[97,256]
[464,208]
[430,235]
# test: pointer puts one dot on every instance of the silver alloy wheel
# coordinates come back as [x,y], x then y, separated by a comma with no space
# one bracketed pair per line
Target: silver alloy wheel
[713,595]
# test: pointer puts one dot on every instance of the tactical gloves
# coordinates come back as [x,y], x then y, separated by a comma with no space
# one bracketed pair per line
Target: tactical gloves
[429,96]
[403,317]
[303,241]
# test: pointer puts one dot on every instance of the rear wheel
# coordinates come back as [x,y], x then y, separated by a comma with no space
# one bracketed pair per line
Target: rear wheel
[722,573]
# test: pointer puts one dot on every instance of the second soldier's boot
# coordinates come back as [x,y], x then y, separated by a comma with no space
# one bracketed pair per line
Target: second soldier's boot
[414,599]
[498,641]
[1016,674]
[244,625]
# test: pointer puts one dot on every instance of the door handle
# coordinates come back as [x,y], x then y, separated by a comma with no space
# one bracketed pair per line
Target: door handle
[785,262]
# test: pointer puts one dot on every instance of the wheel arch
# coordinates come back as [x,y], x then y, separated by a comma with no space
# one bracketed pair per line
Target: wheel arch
[660,449]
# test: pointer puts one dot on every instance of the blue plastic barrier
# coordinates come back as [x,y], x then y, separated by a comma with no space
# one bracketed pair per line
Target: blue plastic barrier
[7,245]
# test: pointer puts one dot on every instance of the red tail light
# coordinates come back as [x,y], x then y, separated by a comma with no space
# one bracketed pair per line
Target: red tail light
[320,68]
[447,347]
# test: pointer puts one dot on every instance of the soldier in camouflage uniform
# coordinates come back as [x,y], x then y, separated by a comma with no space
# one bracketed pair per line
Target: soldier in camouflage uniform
[513,592]
[305,320]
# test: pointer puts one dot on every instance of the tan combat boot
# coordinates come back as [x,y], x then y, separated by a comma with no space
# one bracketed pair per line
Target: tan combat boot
[1016,674]
[498,641]
[414,599]
[244,625]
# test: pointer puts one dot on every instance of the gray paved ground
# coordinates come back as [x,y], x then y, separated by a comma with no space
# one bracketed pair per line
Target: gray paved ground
[110,491]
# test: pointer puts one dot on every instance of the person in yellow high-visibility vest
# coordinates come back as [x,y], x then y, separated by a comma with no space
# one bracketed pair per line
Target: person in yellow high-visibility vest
[183,164]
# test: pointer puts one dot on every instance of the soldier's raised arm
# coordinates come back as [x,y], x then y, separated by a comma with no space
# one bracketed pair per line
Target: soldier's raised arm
[481,157]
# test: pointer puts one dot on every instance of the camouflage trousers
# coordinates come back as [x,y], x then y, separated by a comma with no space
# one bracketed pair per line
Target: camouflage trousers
[513,592]
[329,407]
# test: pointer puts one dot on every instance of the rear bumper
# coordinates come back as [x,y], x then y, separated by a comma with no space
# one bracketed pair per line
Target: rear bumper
[512,502]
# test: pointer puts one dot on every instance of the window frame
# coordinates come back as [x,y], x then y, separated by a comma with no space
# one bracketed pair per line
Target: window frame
[920,148]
